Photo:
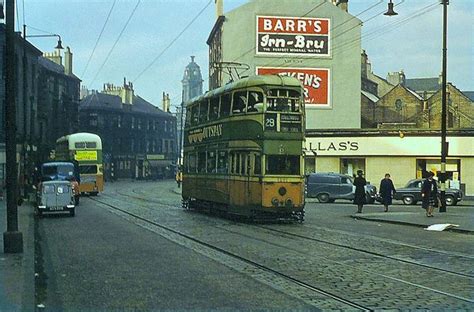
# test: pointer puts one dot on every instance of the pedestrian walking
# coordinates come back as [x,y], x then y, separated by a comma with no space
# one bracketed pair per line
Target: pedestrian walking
[387,190]
[359,195]
[179,178]
[429,194]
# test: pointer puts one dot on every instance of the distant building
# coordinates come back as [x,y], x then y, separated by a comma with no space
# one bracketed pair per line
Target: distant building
[139,139]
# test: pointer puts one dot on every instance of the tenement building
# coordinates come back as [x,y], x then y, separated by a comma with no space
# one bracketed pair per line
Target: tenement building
[138,138]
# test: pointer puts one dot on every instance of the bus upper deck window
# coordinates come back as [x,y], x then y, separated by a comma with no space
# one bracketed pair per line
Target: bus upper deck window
[91,145]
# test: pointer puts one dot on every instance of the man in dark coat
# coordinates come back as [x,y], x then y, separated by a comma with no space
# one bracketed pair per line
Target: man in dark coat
[359,195]
[429,194]
[387,190]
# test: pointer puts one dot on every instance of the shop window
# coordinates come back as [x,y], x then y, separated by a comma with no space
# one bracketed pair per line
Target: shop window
[350,166]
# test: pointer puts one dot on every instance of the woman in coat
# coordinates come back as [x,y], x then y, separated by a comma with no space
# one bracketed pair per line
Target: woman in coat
[387,190]
[429,194]
[359,195]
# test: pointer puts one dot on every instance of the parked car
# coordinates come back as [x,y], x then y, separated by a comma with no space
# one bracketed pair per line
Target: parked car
[55,196]
[411,193]
[327,187]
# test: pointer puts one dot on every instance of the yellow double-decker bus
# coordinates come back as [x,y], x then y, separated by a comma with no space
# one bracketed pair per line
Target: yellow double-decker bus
[85,150]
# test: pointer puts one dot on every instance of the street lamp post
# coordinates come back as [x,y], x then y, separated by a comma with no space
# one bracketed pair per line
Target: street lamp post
[444,145]
[12,238]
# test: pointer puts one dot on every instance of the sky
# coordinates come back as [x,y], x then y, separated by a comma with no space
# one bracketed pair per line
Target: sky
[156,45]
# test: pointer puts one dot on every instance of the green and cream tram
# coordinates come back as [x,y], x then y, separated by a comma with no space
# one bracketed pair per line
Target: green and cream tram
[243,149]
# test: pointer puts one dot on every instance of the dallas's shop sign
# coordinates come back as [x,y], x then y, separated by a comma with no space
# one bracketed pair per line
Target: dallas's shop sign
[292,36]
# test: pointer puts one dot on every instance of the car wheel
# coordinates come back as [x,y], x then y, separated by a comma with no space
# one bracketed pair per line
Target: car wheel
[408,200]
[323,198]
[450,201]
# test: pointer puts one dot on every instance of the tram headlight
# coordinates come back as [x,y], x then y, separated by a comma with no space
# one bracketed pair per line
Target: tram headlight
[289,202]
[275,202]
[282,191]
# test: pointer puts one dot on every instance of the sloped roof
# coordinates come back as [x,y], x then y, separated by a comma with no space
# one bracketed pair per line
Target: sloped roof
[423,84]
[54,67]
[370,96]
[114,102]
[469,94]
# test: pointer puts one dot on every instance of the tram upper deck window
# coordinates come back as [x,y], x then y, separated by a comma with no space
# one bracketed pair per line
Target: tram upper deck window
[203,110]
[255,102]
[214,108]
[283,164]
[188,116]
[239,102]
[282,100]
[195,114]
[225,105]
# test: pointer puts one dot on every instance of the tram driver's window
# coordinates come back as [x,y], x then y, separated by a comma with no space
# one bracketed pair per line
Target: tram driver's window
[239,102]
[225,105]
[257,169]
[255,102]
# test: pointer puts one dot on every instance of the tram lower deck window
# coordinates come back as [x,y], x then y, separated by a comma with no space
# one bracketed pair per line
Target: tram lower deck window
[278,164]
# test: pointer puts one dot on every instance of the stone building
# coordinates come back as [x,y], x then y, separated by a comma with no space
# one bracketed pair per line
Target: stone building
[47,97]
[139,139]
[58,100]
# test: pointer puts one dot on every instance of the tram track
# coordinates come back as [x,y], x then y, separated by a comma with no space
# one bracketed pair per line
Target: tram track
[376,254]
[256,265]
[349,247]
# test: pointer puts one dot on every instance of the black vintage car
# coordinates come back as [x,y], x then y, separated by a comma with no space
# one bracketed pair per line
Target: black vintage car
[411,193]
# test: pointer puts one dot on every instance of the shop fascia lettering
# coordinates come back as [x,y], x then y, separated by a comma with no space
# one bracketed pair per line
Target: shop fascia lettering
[334,146]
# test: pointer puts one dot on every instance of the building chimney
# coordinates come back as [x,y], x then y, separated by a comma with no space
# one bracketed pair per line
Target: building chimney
[54,56]
[219,8]
[343,4]
[68,61]
[163,102]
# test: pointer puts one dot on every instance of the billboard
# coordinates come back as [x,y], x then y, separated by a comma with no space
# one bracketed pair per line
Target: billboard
[316,83]
[303,36]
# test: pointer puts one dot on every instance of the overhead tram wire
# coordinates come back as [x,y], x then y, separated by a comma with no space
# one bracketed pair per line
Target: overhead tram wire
[382,30]
[115,43]
[98,38]
[172,42]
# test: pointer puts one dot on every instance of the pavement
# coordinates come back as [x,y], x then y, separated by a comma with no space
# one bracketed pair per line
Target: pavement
[461,215]
[17,275]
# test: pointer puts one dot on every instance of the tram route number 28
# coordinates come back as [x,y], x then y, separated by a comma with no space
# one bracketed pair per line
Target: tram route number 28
[270,121]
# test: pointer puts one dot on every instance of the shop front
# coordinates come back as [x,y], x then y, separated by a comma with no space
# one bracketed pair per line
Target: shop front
[404,157]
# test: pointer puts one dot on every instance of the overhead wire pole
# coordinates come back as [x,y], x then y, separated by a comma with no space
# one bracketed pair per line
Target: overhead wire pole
[12,238]
[444,145]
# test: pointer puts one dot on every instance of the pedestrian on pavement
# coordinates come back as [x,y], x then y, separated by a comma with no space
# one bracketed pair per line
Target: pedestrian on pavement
[429,194]
[387,190]
[179,178]
[359,195]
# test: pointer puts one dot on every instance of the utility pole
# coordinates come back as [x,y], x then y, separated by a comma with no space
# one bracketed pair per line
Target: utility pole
[12,238]
[444,145]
